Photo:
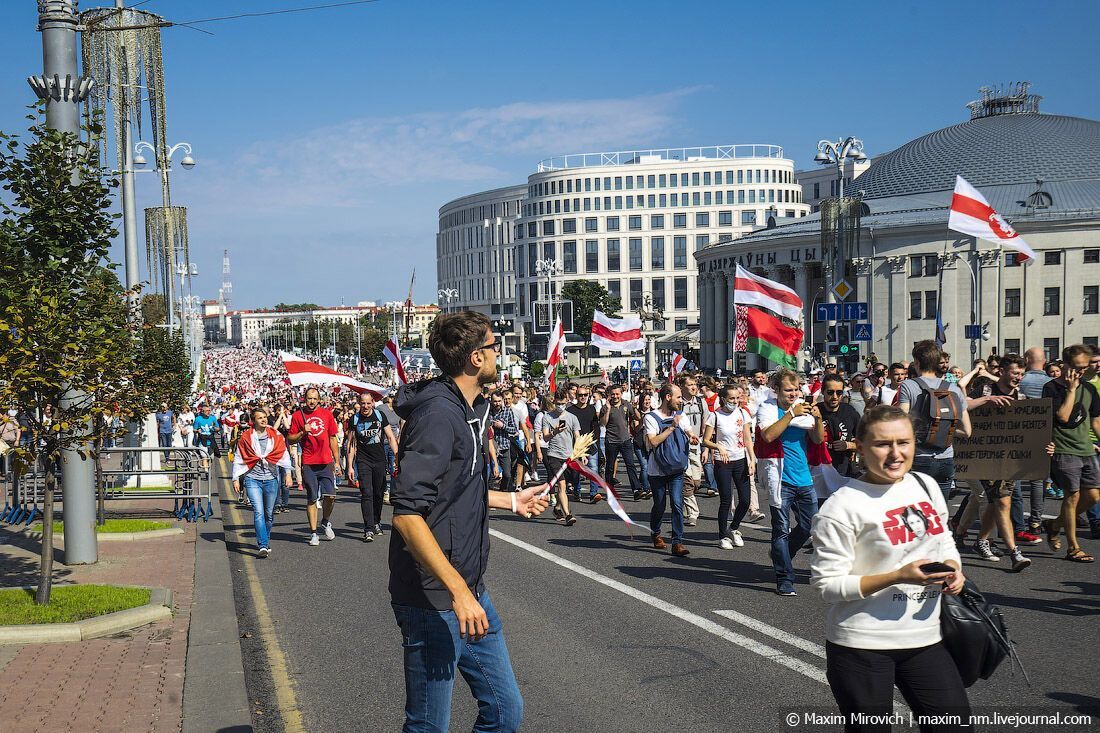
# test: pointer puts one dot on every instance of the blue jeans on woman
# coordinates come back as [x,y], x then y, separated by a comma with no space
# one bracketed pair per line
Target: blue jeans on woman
[786,542]
[433,650]
[642,456]
[262,493]
[662,487]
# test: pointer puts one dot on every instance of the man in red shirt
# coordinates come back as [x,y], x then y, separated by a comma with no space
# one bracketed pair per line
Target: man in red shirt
[315,428]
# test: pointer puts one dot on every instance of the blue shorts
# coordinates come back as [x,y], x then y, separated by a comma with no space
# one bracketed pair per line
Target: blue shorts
[318,480]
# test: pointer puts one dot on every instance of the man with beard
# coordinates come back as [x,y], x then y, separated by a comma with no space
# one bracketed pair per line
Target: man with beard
[371,431]
[315,428]
[440,549]
[841,423]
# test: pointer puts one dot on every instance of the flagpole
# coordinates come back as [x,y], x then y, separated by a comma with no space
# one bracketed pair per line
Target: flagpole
[1000,291]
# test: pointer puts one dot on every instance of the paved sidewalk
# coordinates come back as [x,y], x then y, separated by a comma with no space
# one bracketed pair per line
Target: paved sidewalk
[129,682]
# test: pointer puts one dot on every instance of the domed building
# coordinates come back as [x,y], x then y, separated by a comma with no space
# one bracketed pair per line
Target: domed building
[1041,172]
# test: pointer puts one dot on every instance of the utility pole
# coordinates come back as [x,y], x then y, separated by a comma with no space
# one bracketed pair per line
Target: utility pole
[58,21]
[129,205]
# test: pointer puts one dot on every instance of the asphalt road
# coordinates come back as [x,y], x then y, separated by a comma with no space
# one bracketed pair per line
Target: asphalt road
[608,634]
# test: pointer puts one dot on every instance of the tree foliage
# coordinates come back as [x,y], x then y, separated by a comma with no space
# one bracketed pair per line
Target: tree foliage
[153,311]
[65,345]
[294,307]
[588,296]
[162,370]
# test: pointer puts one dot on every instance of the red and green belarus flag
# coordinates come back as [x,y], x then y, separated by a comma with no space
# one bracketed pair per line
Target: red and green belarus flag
[762,333]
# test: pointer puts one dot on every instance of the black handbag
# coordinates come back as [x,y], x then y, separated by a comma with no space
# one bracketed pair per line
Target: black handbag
[974,631]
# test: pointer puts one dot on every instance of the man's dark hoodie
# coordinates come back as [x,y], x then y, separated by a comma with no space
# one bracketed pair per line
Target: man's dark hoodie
[442,458]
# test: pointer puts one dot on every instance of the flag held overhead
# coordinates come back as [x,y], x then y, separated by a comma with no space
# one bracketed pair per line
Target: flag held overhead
[972,215]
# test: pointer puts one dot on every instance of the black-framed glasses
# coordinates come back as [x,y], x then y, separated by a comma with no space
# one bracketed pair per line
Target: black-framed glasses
[495,346]
[834,391]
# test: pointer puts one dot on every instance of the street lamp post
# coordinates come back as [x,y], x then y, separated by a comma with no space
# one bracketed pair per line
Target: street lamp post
[648,313]
[446,295]
[838,153]
[549,268]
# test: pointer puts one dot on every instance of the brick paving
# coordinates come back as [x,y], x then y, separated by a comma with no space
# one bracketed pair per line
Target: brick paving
[129,682]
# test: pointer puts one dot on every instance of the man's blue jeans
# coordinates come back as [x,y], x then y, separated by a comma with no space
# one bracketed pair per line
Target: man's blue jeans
[283,497]
[594,466]
[663,487]
[940,470]
[433,650]
[164,440]
[802,500]
[262,494]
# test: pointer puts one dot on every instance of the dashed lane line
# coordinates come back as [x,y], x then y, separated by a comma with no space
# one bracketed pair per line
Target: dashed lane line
[751,645]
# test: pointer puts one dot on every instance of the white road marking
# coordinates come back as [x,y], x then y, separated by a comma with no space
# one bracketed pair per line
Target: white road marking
[796,641]
[756,647]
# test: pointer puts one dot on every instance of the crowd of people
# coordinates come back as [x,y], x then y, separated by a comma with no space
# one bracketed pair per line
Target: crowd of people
[835,457]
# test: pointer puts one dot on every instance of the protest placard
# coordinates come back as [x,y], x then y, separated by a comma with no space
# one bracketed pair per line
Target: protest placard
[1007,443]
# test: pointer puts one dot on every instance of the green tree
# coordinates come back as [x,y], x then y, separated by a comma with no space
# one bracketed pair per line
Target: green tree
[66,353]
[153,311]
[291,307]
[162,371]
[588,296]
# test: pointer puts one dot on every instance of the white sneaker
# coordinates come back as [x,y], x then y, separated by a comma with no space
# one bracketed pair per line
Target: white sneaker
[329,534]
[264,552]
[314,540]
[725,543]
[738,541]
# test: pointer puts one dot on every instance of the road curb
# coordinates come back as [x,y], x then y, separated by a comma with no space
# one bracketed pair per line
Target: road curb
[159,607]
[215,665]
[113,536]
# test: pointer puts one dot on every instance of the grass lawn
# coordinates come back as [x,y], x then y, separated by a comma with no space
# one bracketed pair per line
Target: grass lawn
[68,603]
[115,526]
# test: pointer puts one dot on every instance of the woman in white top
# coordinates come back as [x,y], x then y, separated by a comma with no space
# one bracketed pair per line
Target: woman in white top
[871,539]
[728,433]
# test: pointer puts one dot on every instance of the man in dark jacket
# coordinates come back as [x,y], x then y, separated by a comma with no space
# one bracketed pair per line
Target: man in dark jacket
[439,552]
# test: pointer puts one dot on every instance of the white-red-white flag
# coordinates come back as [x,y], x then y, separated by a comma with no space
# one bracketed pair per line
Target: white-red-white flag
[971,214]
[555,351]
[304,372]
[606,379]
[617,334]
[392,352]
[752,289]
[608,492]
[677,366]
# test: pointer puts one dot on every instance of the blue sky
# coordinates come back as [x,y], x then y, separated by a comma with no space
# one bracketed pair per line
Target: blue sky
[327,141]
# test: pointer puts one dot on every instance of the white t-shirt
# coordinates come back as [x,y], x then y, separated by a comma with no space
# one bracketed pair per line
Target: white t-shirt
[186,421]
[867,529]
[729,432]
[885,394]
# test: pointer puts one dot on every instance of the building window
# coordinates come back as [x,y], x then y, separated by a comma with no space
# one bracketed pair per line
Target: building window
[702,219]
[681,324]
[657,289]
[612,255]
[635,294]
[612,223]
[549,251]
[1092,256]
[1012,346]
[1052,258]
[748,217]
[930,302]
[924,265]
[701,240]
[1012,302]
[634,222]
[1091,303]
[569,256]
[568,226]
[680,253]
[657,253]
[1052,301]
[635,253]
[532,229]
[591,224]
[614,289]
[915,303]
[1093,341]
[725,218]
[679,221]
[680,293]
[548,228]
[1050,346]
[1010,260]
[657,221]
[591,255]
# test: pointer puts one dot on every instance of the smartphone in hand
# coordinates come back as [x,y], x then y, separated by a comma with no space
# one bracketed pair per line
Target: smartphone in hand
[936,567]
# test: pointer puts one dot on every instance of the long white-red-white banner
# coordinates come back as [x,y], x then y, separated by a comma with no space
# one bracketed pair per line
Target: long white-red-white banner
[972,215]
[609,493]
[304,372]
[617,334]
[752,289]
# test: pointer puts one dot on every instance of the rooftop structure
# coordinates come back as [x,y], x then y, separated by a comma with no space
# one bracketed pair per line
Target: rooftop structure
[663,155]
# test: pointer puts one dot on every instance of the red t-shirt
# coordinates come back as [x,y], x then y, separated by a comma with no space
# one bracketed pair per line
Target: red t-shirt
[319,426]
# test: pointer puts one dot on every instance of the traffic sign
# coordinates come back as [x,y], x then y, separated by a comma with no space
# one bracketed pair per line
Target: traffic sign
[842,349]
[854,312]
[843,289]
[861,332]
[827,312]
[635,365]
[973,331]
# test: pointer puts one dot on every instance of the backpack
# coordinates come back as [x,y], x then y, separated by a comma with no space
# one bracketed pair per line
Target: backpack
[672,455]
[935,414]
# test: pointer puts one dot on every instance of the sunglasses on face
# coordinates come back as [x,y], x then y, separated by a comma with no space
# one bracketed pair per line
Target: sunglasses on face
[834,391]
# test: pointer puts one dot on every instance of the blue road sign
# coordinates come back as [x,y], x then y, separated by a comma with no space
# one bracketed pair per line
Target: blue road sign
[635,365]
[973,331]
[827,312]
[861,332]
[854,312]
